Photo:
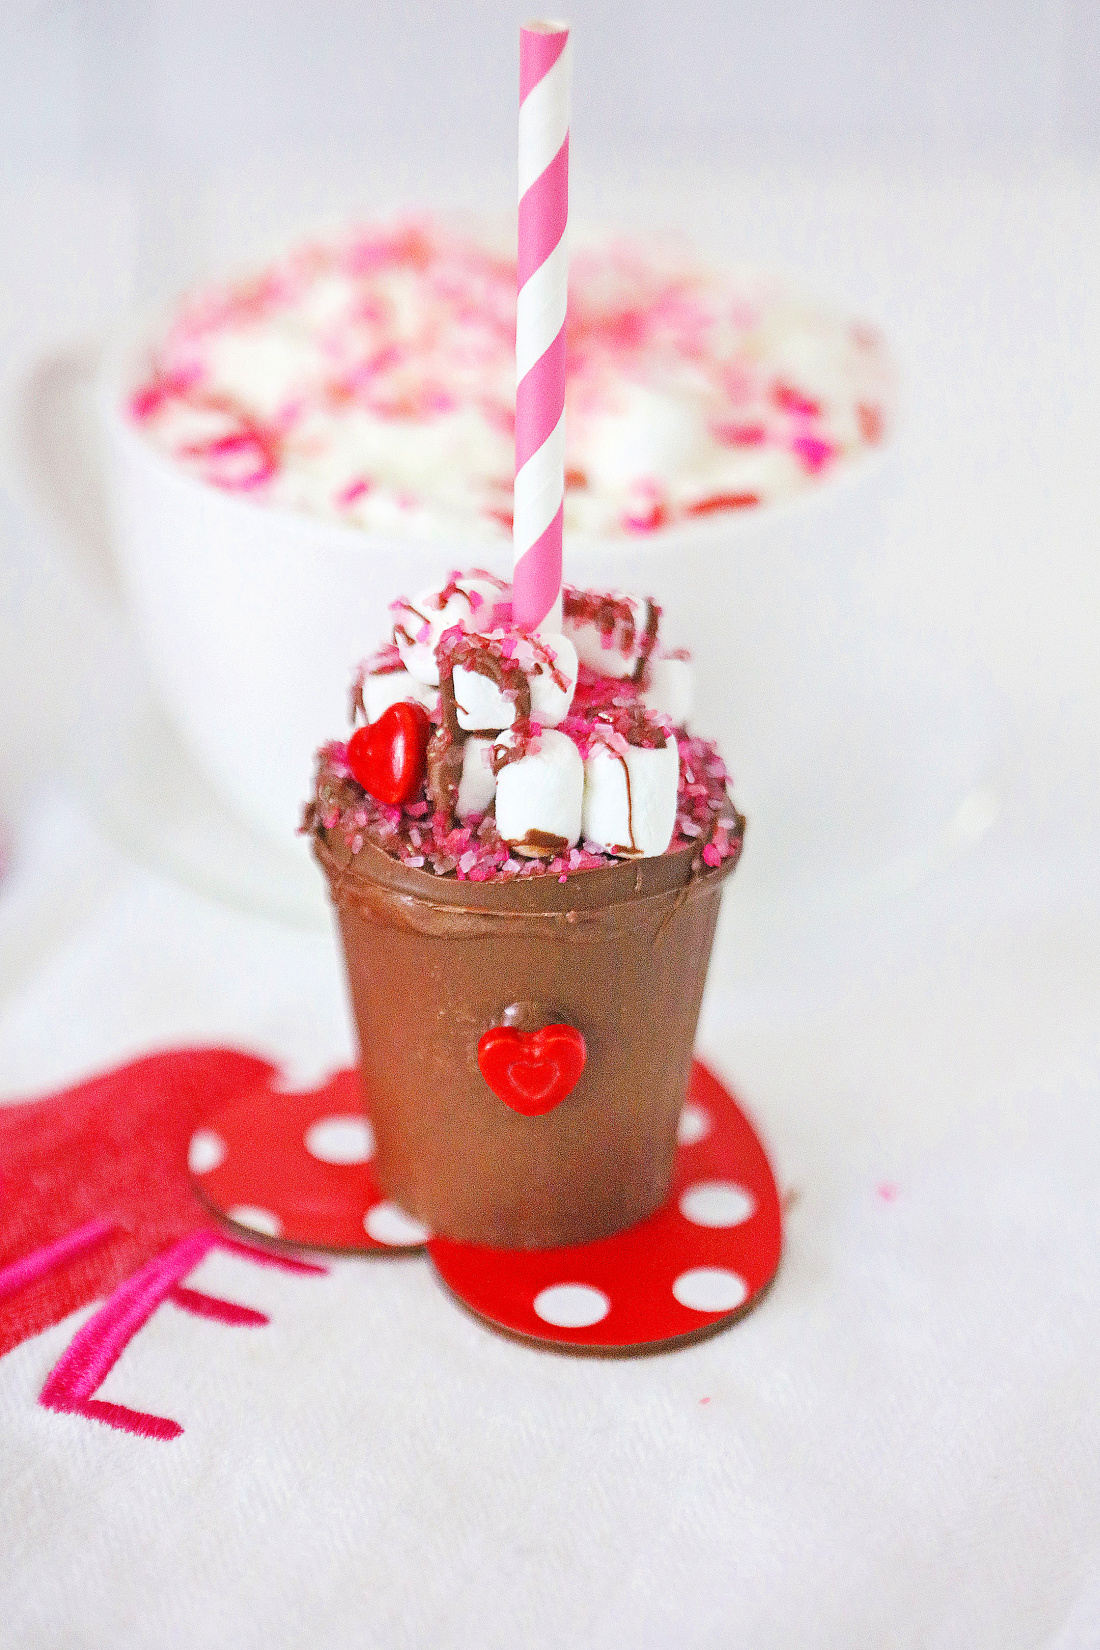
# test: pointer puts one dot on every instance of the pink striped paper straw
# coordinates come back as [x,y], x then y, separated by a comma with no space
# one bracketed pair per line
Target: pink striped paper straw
[545,68]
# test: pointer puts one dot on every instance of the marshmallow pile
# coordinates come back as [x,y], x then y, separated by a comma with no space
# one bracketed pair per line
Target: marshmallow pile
[567,737]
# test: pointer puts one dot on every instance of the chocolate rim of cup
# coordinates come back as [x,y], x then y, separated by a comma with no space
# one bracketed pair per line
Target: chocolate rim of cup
[626,882]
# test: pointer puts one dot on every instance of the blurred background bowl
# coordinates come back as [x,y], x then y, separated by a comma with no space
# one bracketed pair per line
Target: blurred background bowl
[251,617]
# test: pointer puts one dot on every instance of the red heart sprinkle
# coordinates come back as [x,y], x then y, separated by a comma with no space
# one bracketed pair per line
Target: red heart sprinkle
[531,1071]
[388,756]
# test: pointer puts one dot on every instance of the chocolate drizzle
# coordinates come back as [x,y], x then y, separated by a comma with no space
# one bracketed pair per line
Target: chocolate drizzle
[633,849]
[456,586]
[522,732]
[356,707]
[539,844]
[445,758]
[649,639]
[613,616]
[634,724]
[399,630]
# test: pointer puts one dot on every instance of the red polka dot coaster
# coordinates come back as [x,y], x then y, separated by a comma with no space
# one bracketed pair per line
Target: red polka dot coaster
[699,1262]
[297,1167]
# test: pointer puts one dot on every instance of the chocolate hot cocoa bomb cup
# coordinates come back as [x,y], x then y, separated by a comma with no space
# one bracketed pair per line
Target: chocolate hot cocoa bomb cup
[617,951]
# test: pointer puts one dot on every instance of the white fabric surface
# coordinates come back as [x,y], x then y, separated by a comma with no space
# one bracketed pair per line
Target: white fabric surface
[901,1446]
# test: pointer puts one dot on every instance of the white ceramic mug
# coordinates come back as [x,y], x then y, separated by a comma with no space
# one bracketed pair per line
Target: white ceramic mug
[252,618]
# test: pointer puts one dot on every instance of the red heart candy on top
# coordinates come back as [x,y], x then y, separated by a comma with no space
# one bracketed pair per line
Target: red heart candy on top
[388,757]
[532,1071]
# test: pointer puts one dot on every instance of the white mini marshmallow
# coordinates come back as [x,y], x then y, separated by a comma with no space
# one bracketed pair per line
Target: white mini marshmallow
[469,607]
[670,689]
[478,784]
[604,652]
[390,688]
[639,818]
[549,702]
[542,791]
[479,703]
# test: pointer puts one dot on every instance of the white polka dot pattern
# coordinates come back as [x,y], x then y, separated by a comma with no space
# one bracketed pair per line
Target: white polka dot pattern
[694,1125]
[340,1140]
[389,1224]
[572,1305]
[205,1152]
[257,1220]
[716,1203]
[710,1289]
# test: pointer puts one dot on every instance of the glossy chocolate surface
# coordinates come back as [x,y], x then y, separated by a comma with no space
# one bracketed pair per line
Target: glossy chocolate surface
[620,951]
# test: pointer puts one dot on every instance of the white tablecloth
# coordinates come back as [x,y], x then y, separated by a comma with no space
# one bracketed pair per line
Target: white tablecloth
[901,1446]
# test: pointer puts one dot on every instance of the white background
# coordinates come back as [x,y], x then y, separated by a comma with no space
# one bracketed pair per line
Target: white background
[158,105]
[145,82]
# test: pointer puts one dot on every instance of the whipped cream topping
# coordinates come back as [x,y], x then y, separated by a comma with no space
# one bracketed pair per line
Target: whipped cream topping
[370,379]
[537,763]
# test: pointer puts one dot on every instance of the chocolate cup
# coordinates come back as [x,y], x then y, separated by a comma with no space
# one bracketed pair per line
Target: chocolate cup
[621,952]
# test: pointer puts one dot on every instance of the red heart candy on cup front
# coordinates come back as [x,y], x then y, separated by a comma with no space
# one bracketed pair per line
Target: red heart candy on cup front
[532,1071]
[388,756]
